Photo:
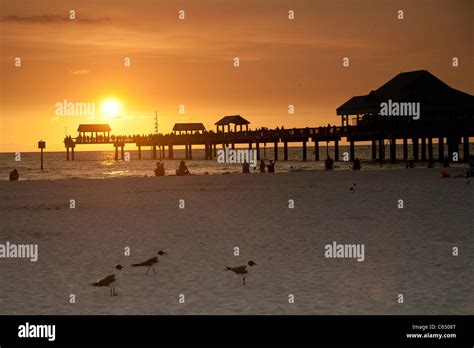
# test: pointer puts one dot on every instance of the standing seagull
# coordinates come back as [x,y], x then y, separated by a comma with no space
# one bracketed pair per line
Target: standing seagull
[242,271]
[111,280]
[150,263]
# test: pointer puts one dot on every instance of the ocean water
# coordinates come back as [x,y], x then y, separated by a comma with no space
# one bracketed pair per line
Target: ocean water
[101,164]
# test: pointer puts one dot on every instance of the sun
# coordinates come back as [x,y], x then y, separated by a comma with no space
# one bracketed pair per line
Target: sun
[111,107]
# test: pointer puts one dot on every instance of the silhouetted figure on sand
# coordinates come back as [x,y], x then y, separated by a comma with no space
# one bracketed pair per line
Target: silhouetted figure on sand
[160,169]
[14,175]
[271,167]
[356,165]
[182,170]
[246,168]
[262,166]
[329,164]
[446,162]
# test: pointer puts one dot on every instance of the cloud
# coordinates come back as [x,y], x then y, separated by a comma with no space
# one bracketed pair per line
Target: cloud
[80,72]
[48,18]
[124,117]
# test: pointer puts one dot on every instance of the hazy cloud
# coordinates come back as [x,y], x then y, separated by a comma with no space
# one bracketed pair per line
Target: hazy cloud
[80,72]
[48,18]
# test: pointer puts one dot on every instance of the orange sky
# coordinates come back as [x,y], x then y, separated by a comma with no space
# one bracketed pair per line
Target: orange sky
[190,61]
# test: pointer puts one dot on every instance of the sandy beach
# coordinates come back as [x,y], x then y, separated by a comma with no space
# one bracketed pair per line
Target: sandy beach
[407,251]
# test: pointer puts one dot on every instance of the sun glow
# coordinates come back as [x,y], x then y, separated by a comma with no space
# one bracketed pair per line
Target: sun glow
[110,107]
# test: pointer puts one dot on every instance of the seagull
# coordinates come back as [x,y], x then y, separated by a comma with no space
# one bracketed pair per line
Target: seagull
[111,280]
[353,187]
[150,263]
[242,271]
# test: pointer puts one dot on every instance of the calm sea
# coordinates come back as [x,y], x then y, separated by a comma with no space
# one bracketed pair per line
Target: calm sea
[101,164]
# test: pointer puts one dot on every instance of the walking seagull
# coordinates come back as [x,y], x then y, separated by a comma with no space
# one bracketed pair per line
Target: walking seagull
[242,271]
[150,263]
[111,280]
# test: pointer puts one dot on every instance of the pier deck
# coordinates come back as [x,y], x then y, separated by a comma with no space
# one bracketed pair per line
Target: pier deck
[210,140]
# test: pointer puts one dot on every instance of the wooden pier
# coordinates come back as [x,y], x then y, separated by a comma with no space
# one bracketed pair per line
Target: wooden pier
[447,115]
[162,146]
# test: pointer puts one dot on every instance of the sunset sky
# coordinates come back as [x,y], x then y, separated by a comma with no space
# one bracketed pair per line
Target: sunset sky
[191,61]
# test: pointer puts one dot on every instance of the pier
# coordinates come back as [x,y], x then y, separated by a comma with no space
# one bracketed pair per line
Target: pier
[447,116]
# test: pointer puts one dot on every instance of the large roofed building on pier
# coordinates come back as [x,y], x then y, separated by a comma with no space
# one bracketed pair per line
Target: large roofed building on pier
[438,102]
[442,112]
[236,120]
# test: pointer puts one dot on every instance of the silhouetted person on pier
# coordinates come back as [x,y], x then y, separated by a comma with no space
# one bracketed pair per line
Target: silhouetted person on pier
[446,162]
[182,170]
[14,175]
[329,164]
[271,167]
[356,165]
[246,168]
[262,166]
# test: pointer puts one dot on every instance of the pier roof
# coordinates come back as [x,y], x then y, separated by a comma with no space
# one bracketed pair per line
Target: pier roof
[415,86]
[235,119]
[189,127]
[94,128]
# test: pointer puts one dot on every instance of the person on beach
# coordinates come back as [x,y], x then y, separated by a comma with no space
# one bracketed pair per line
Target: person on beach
[356,165]
[329,164]
[271,167]
[262,166]
[14,175]
[246,168]
[160,169]
[182,170]
[446,162]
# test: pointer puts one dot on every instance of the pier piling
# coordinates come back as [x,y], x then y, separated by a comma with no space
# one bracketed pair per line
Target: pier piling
[465,143]
[415,149]
[423,149]
[352,150]
[440,149]
[430,148]
[275,154]
[405,149]
[316,150]
[381,150]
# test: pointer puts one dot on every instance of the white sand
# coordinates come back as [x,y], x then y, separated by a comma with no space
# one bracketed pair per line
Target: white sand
[407,251]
